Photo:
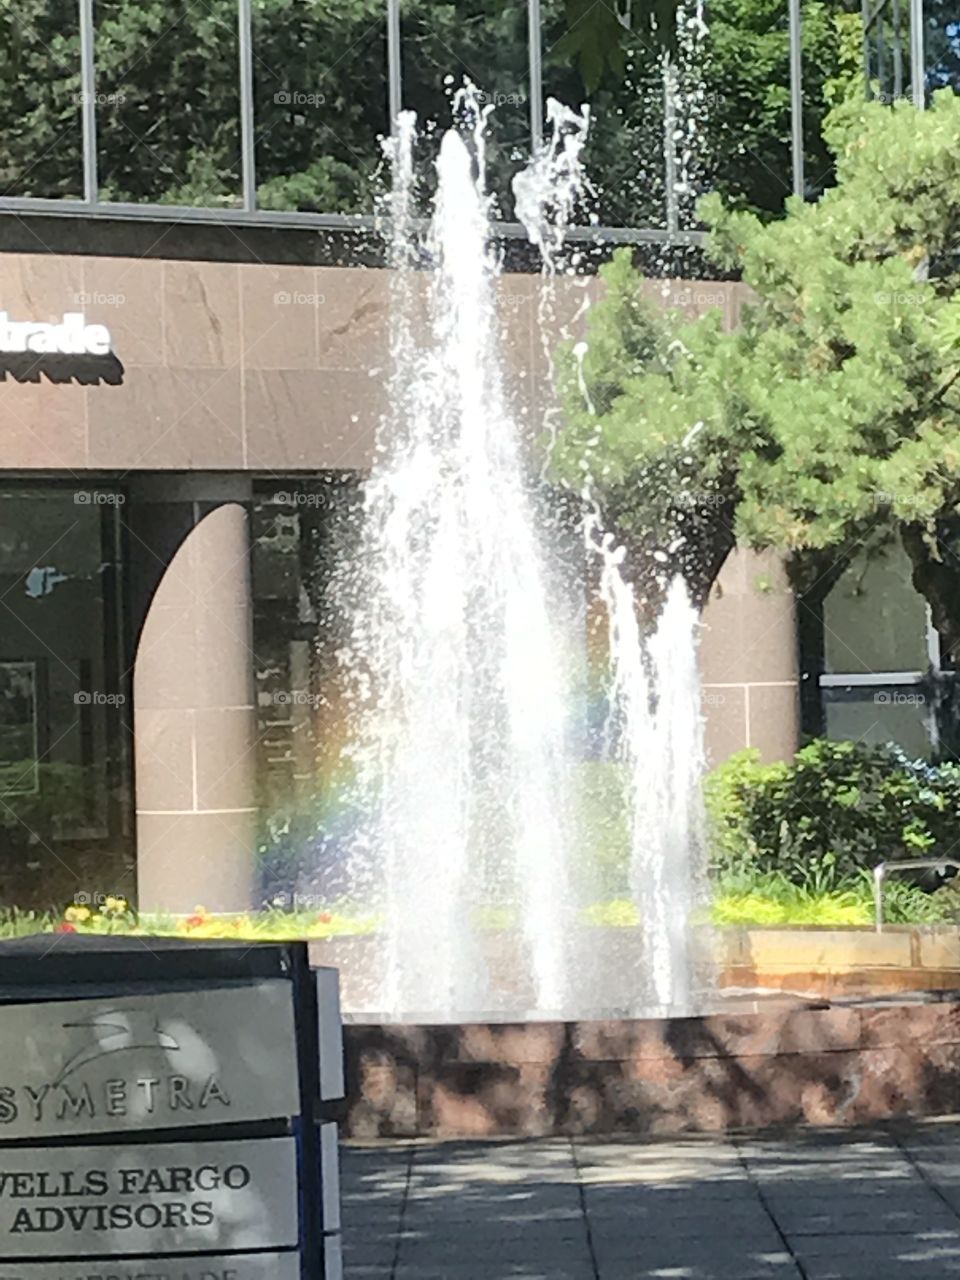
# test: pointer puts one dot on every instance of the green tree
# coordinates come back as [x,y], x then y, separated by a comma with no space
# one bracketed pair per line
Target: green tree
[827,421]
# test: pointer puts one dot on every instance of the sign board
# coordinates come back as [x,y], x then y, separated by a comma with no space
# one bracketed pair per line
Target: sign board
[166,1115]
[153,1061]
[330,1034]
[155,1199]
[252,1266]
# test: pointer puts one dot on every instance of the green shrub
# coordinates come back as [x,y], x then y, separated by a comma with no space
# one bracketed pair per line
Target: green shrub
[773,899]
[947,900]
[836,809]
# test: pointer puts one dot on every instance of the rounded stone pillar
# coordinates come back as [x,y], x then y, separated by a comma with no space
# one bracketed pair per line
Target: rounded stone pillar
[193,689]
[749,659]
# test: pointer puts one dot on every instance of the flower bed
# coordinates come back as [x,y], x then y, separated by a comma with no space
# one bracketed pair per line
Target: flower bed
[762,901]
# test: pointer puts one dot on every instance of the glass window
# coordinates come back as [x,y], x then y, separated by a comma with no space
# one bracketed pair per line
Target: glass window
[65,808]
[875,658]
[745,108]
[168,102]
[625,150]
[874,620]
[941,44]
[303,530]
[41,151]
[888,51]
[486,42]
[718,120]
[321,103]
[898,713]
[747,104]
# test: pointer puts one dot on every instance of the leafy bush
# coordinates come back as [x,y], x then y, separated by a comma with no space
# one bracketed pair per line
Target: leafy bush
[947,900]
[836,809]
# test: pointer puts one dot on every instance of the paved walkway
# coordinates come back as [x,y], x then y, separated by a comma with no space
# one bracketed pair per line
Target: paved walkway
[814,1206]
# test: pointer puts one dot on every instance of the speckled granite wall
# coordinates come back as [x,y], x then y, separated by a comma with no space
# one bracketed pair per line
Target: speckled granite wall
[839,1065]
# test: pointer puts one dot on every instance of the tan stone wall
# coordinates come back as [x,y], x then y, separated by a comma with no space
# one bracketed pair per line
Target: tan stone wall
[233,366]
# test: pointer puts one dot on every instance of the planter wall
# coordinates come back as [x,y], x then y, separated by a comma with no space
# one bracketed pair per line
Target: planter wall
[787,1066]
[840,962]
[803,961]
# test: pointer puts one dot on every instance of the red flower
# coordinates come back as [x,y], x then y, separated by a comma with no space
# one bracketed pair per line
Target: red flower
[194,922]
[65,927]
[324,918]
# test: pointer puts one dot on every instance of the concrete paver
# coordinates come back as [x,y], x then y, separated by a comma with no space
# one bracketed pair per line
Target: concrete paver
[807,1205]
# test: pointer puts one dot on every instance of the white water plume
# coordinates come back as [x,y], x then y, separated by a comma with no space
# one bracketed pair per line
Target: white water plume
[461,689]
[464,751]
[656,733]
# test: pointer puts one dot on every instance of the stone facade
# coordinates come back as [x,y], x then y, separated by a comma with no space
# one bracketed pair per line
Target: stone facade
[223,375]
[267,370]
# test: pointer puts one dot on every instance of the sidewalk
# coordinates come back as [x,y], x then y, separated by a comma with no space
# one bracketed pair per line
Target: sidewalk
[804,1206]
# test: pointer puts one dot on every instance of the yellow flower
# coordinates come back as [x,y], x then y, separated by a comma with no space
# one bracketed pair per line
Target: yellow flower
[77,915]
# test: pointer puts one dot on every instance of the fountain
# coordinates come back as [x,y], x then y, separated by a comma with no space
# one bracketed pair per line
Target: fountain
[491,1000]
[460,668]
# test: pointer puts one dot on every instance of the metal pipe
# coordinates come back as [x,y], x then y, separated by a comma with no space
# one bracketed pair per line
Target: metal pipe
[670,144]
[905,864]
[535,50]
[866,20]
[796,97]
[394,64]
[88,103]
[248,157]
[166,213]
[918,75]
